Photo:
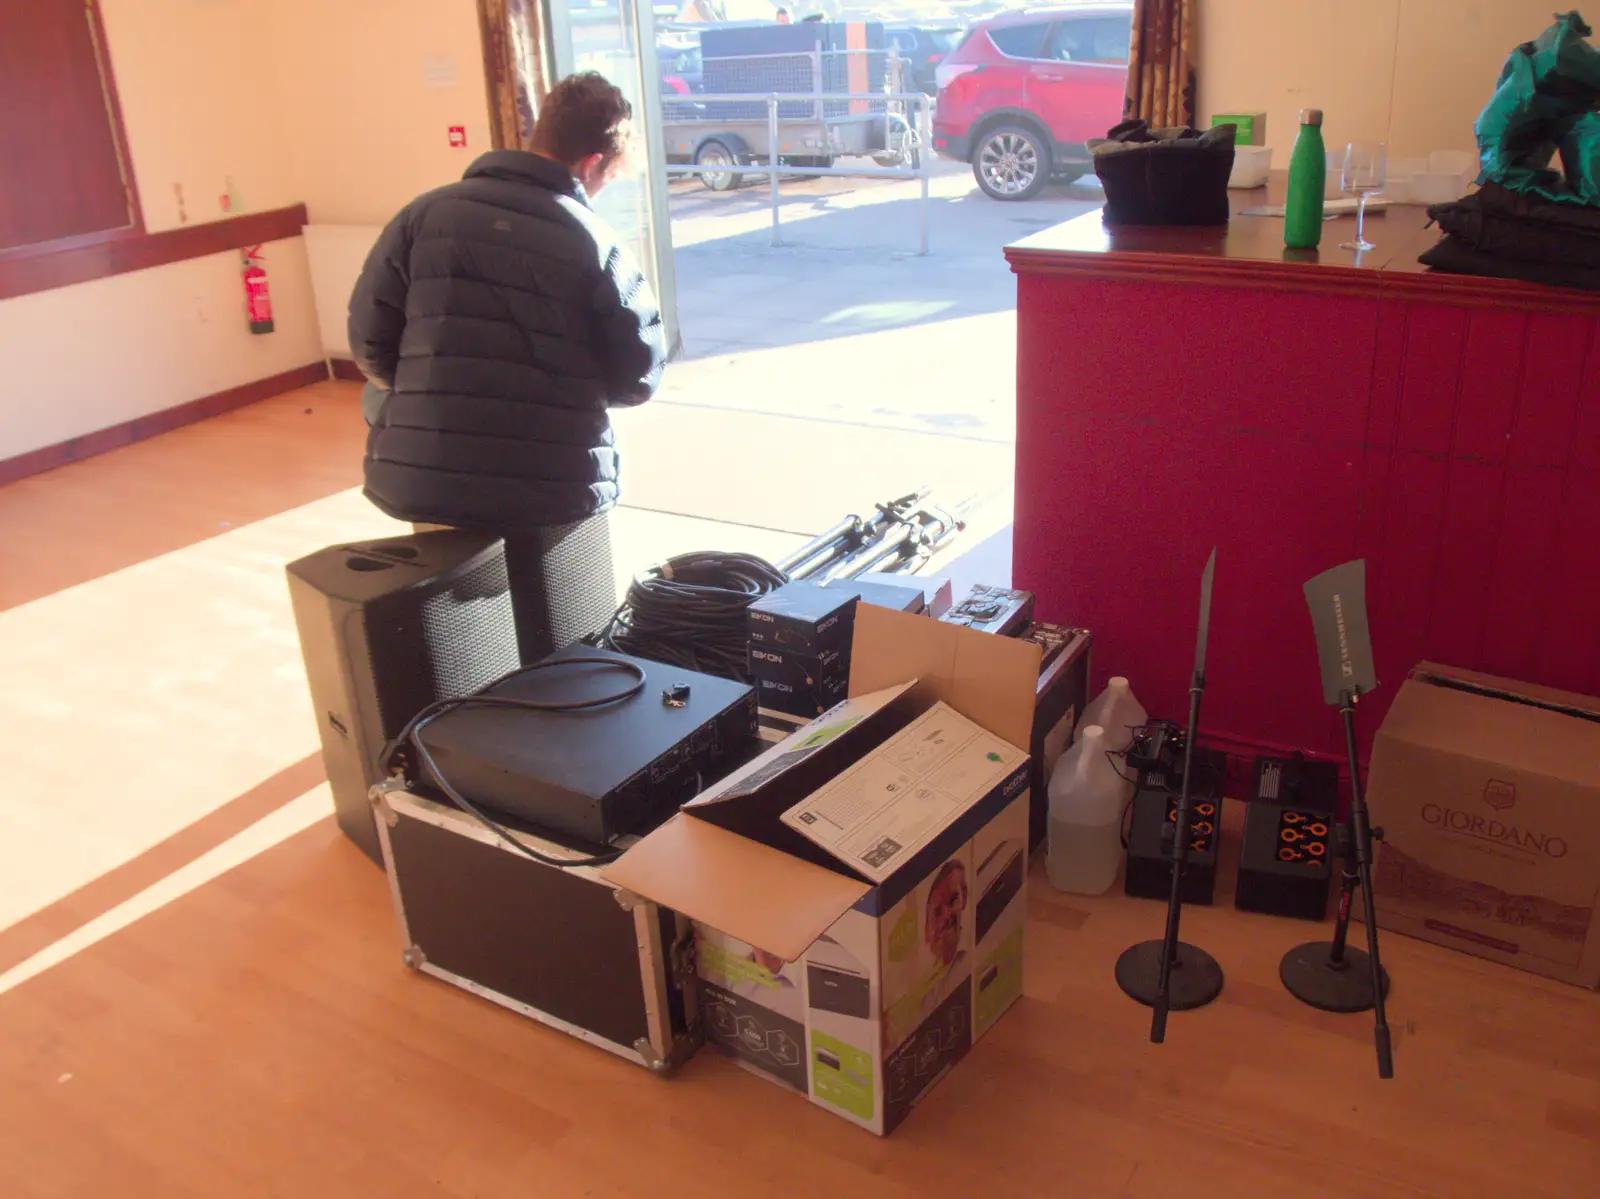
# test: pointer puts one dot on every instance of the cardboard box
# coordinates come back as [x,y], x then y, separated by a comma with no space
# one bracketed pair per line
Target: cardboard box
[859,891]
[1488,794]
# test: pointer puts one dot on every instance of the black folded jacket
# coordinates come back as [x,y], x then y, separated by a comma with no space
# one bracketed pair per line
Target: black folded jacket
[1504,224]
[1460,257]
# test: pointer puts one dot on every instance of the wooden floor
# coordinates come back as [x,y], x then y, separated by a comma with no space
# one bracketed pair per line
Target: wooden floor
[254,1032]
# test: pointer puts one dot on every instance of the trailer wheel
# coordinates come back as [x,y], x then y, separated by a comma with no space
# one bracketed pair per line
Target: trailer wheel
[713,154]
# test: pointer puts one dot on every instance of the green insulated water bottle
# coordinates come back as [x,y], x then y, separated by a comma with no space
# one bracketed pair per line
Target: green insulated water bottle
[1308,179]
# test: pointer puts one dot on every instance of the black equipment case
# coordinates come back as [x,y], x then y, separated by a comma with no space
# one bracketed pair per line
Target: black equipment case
[561,946]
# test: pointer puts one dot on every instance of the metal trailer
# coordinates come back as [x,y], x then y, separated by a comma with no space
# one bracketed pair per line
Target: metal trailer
[733,125]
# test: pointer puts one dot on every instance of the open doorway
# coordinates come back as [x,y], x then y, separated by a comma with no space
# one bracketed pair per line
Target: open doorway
[822,363]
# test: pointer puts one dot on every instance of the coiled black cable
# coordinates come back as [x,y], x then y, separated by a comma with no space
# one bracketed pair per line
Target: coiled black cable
[690,611]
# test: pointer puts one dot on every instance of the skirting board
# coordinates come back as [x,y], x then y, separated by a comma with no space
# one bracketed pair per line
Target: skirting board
[345,368]
[103,440]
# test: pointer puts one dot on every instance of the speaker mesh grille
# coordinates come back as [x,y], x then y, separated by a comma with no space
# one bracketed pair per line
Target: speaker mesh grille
[579,578]
[562,582]
[469,631]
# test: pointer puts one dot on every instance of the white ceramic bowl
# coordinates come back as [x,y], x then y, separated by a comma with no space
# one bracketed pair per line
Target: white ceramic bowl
[1250,166]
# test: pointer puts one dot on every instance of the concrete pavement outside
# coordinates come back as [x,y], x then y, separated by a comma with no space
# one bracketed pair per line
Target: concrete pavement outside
[839,368]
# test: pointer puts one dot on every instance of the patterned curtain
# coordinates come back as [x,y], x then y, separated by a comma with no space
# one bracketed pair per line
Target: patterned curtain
[514,69]
[1161,63]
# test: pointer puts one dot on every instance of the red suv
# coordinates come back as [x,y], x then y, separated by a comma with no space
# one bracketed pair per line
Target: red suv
[1024,91]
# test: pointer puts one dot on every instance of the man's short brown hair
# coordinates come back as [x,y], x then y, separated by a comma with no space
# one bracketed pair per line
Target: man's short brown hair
[584,114]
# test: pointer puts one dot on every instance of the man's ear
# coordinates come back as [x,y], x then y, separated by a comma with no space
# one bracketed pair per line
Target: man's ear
[589,171]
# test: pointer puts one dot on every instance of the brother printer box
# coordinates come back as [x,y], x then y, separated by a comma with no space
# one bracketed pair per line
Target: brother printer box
[1488,794]
[859,890]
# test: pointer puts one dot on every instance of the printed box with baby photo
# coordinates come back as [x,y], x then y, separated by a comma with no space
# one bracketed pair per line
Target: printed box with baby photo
[858,891]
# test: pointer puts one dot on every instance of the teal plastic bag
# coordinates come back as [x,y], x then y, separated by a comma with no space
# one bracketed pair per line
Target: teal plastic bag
[1544,89]
[1580,158]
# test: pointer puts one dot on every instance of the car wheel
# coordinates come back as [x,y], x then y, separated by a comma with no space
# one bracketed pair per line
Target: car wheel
[715,154]
[1011,163]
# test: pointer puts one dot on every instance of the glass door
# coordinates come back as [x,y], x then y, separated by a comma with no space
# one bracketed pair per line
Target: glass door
[617,39]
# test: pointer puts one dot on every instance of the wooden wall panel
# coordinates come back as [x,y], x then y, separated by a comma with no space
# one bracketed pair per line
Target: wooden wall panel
[1456,447]
[66,172]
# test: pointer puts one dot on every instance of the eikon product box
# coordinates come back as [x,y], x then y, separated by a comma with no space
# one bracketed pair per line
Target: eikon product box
[859,891]
[802,618]
[799,684]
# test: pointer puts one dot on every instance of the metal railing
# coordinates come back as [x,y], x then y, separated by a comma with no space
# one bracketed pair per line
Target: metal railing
[916,139]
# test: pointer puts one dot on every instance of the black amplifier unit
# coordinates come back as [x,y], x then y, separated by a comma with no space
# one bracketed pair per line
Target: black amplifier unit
[993,610]
[593,773]
[1286,859]
[1059,700]
[1151,833]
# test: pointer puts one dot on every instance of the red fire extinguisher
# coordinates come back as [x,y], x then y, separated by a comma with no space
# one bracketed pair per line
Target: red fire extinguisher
[257,300]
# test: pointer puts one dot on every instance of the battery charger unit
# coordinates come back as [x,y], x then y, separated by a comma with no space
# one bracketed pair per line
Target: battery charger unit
[1151,830]
[1286,859]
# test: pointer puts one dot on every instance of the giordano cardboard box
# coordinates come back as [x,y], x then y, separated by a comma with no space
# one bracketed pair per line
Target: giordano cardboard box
[1488,794]
[859,891]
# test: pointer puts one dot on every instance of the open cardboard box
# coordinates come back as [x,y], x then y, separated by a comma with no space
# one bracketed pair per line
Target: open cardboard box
[859,890]
[1488,793]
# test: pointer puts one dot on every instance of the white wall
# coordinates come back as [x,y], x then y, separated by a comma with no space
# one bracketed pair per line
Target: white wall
[1413,73]
[370,89]
[201,103]
[198,106]
[87,357]
[344,105]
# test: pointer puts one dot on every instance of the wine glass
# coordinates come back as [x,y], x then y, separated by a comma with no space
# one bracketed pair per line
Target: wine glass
[1365,167]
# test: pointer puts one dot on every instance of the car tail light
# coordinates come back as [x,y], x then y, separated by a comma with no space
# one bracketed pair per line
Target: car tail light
[933,58]
[676,84]
[948,72]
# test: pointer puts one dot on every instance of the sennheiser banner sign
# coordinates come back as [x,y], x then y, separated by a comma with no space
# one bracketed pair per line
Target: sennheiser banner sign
[1338,602]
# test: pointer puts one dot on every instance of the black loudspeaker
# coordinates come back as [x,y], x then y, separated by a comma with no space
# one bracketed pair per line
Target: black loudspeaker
[386,628]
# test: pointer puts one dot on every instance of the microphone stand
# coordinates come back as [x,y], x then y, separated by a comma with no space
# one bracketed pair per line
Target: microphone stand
[1169,974]
[1327,974]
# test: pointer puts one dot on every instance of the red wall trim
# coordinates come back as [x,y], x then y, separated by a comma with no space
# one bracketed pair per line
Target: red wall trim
[345,368]
[26,275]
[102,440]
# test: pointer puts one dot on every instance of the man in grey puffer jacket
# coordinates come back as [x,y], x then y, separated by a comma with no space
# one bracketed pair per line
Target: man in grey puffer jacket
[497,320]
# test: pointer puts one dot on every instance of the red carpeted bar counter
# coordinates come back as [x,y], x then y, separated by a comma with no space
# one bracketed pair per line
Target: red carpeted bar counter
[1184,388]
